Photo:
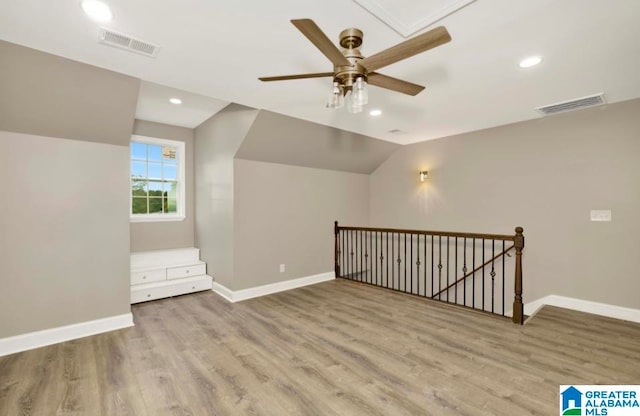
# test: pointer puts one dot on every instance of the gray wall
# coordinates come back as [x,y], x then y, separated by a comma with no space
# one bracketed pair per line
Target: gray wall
[170,234]
[216,142]
[281,139]
[545,175]
[284,215]
[52,96]
[64,210]
[64,245]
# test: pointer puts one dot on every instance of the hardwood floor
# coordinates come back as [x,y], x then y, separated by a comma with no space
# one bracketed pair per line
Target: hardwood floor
[337,348]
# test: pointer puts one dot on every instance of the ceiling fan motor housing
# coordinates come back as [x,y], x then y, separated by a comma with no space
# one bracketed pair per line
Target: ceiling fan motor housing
[346,75]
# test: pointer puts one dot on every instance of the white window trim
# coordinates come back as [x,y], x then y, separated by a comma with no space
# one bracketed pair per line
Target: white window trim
[181,197]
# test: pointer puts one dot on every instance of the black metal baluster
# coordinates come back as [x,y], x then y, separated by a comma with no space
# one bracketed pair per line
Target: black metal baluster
[411,263]
[455,271]
[349,253]
[393,259]
[375,258]
[426,262]
[372,256]
[448,268]
[366,257]
[432,264]
[493,275]
[360,251]
[503,243]
[387,258]
[473,278]
[399,264]
[464,271]
[369,258]
[344,253]
[418,264]
[483,289]
[405,263]
[439,267]
[353,255]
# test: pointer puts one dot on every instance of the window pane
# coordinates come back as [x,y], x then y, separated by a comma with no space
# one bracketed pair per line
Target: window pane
[155,171]
[138,169]
[138,205]
[170,172]
[155,205]
[170,205]
[138,151]
[171,189]
[169,153]
[154,152]
[155,188]
[139,188]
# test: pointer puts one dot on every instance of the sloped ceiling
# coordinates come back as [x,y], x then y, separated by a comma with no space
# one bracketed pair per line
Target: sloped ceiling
[281,139]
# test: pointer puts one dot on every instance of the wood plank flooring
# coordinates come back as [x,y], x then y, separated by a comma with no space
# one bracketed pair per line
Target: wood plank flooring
[337,348]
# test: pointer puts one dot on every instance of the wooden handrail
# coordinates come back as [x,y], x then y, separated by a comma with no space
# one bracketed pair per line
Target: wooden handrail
[504,237]
[473,271]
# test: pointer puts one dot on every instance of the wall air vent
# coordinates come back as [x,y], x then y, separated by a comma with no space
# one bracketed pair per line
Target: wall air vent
[584,102]
[129,43]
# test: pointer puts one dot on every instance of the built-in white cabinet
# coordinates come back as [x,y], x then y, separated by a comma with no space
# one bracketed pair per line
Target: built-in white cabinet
[165,273]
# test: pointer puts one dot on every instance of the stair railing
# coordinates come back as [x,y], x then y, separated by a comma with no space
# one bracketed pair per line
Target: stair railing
[465,269]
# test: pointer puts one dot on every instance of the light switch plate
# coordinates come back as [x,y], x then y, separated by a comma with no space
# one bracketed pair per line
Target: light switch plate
[600,215]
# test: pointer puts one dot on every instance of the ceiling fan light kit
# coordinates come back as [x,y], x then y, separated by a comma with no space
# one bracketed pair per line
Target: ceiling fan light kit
[352,72]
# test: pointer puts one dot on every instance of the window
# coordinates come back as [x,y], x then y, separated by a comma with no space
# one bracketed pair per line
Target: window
[157,179]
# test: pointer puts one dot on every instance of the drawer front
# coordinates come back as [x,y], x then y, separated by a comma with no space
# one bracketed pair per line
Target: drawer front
[149,292]
[186,271]
[148,276]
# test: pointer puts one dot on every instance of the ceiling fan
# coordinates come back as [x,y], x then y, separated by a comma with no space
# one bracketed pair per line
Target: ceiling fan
[352,71]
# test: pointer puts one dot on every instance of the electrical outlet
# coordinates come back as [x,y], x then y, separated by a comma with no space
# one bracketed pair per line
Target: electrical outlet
[601,215]
[282,268]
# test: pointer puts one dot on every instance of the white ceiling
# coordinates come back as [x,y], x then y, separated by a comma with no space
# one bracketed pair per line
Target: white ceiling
[154,105]
[219,48]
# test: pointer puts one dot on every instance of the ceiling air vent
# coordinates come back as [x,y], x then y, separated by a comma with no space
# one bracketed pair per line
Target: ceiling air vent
[590,101]
[122,41]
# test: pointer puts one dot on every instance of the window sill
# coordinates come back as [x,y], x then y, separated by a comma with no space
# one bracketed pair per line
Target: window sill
[153,218]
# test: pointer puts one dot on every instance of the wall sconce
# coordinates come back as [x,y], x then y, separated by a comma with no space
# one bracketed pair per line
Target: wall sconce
[423,175]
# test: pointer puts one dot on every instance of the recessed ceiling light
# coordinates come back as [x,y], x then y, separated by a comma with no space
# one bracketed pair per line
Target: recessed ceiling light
[97,10]
[175,101]
[530,61]
[375,113]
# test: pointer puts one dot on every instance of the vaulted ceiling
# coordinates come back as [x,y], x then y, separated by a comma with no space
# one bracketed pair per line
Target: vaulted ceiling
[220,48]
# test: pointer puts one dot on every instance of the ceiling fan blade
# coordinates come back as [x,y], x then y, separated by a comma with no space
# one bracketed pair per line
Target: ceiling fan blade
[322,42]
[298,76]
[394,84]
[406,49]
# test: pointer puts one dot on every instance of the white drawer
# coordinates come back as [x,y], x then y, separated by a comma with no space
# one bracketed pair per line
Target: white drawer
[186,271]
[148,276]
[143,293]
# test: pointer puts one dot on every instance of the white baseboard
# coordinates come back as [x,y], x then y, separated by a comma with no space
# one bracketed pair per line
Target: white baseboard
[603,309]
[46,337]
[254,292]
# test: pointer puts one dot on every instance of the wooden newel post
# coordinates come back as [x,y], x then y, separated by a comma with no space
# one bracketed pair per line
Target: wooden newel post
[336,251]
[518,307]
